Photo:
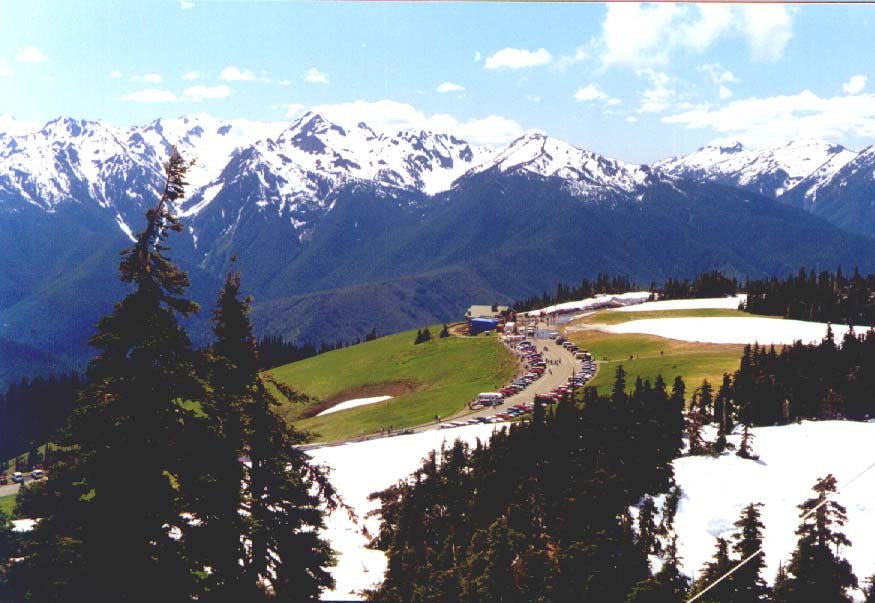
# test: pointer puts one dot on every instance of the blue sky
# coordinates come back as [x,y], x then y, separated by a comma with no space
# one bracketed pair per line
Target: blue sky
[636,82]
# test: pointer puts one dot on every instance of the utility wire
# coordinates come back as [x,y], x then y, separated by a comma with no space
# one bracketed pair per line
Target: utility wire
[759,551]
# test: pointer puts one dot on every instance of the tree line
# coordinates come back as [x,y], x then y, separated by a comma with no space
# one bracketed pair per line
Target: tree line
[586,288]
[825,380]
[821,297]
[707,284]
[32,409]
[275,350]
[541,513]
[174,479]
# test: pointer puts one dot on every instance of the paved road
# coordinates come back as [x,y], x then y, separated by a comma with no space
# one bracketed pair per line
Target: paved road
[11,488]
[545,384]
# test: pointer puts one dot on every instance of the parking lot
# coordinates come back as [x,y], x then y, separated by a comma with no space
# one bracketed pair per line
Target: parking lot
[549,369]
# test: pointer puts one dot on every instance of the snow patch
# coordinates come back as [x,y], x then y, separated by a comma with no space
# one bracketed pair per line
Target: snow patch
[354,403]
[594,303]
[792,458]
[725,303]
[729,329]
[359,469]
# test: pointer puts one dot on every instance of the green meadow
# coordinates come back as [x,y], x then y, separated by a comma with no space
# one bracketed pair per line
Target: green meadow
[438,377]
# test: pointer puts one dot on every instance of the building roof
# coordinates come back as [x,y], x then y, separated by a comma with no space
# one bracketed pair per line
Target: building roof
[485,311]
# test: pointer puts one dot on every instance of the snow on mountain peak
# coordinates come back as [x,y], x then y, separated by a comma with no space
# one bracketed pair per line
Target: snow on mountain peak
[771,170]
[584,171]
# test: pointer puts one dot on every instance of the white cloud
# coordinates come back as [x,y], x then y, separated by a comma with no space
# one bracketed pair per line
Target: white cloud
[534,98]
[645,35]
[590,93]
[761,121]
[768,28]
[658,96]
[314,76]
[5,70]
[631,119]
[185,4]
[150,96]
[636,35]
[854,85]
[10,125]
[390,116]
[450,87]
[191,75]
[477,56]
[581,53]
[31,54]
[712,21]
[153,78]
[285,82]
[720,77]
[232,74]
[115,74]
[493,129]
[199,93]
[292,109]
[517,58]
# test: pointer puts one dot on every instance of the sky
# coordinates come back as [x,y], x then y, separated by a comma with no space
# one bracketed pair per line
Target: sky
[638,82]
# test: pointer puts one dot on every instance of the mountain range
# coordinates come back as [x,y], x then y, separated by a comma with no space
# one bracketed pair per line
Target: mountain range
[339,229]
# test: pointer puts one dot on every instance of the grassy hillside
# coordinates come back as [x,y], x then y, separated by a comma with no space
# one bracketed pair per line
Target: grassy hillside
[435,378]
[7,503]
[648,355]
[615,317]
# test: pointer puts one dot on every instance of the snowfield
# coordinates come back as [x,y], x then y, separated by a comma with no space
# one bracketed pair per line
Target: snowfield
[792,458]
[594,303]
[353,404]
[728,329]
[359,469]
[720,303]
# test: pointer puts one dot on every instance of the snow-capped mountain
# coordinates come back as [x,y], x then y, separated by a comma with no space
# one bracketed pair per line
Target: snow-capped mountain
[583,171]
[312,153]
[843,192]
[296,166]
[296,174]
[771,171]
[207,141]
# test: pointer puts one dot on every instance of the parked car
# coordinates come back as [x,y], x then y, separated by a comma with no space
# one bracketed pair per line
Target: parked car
[3,480]
[17,477]
[37,473]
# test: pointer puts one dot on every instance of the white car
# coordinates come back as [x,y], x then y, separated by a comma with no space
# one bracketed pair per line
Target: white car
[37,473]
[17,477]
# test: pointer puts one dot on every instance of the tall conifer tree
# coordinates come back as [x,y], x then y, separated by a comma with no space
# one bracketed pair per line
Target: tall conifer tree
[113,495]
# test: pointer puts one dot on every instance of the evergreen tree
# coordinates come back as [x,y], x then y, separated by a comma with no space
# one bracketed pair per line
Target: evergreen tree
[696,442]
[703,400]
[647,539]
[669,585]
[114,495]
[816,572]
[869,590]
[744,450]
[713,571]
[747,582]
[282,493]
[445,332]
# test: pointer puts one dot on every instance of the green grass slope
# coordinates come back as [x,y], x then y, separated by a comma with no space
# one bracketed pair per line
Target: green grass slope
[649,355]
[434,378]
